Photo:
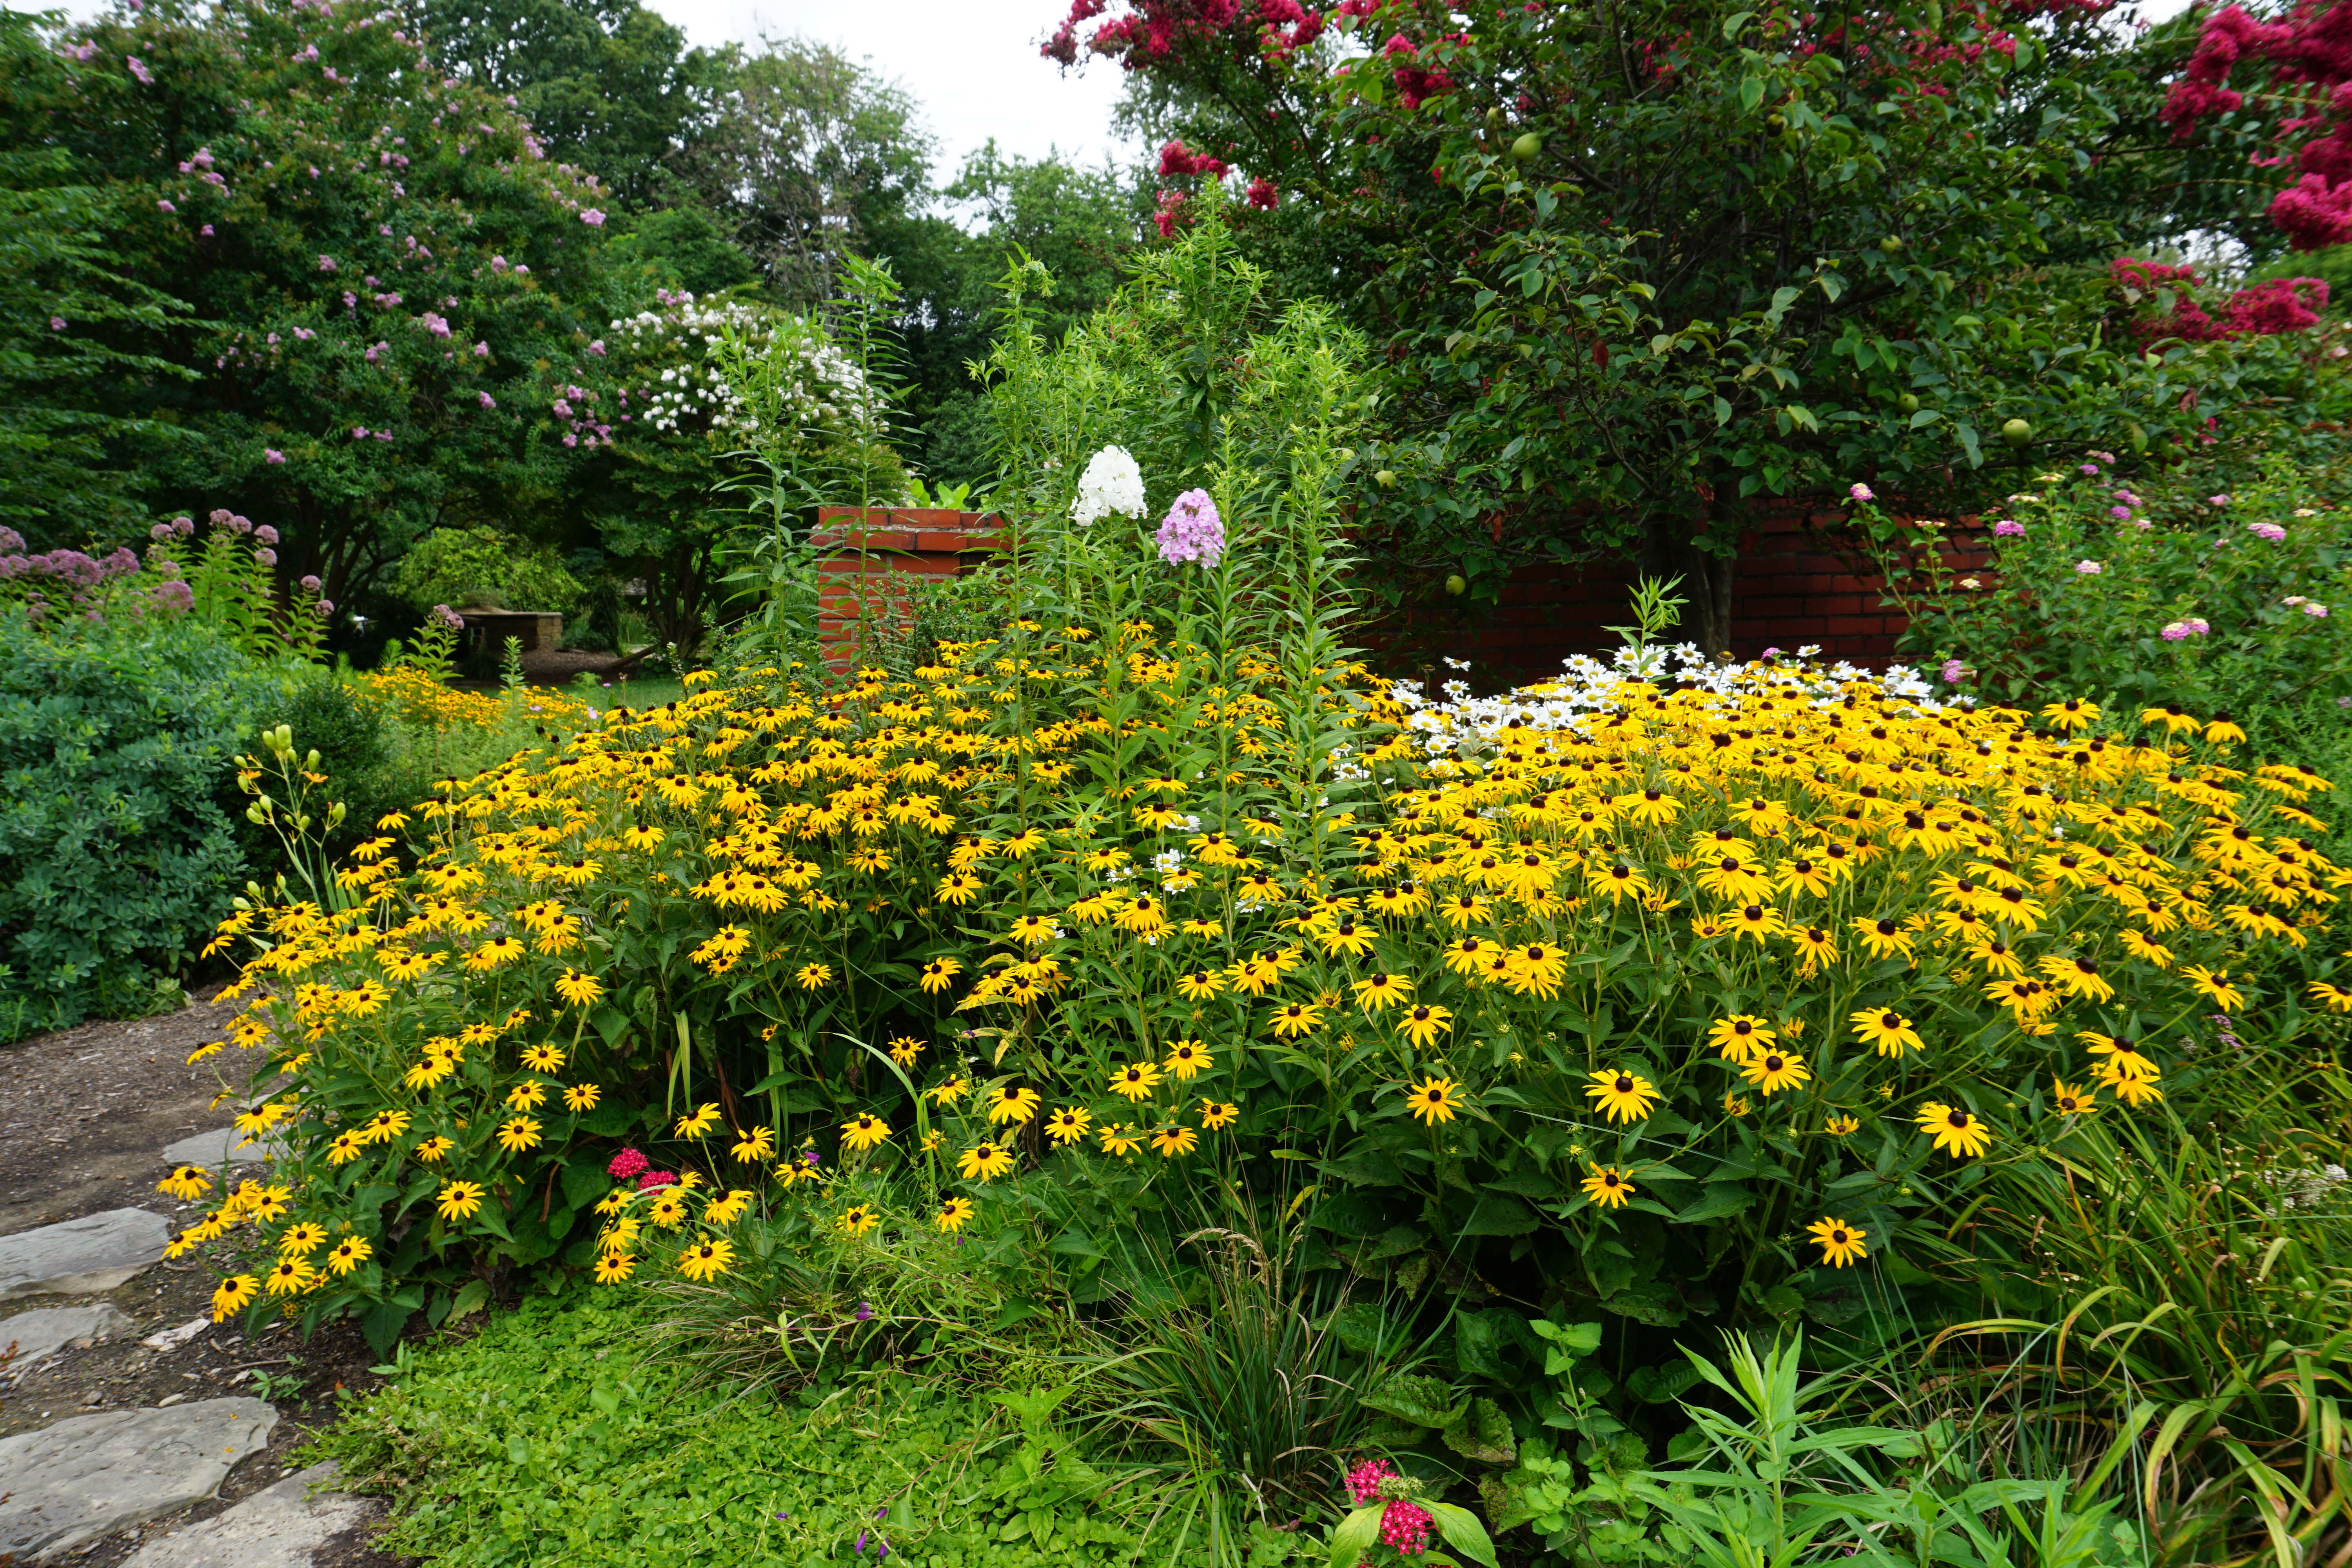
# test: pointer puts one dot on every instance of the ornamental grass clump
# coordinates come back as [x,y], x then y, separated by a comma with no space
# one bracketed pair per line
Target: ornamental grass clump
[1688,1006]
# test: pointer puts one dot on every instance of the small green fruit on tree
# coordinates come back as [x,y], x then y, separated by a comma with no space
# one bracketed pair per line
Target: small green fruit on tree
[1528,145]
[2017,432]
[1908,403]
[1457,584]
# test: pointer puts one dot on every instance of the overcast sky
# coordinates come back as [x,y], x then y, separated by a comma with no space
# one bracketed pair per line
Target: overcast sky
[972,64]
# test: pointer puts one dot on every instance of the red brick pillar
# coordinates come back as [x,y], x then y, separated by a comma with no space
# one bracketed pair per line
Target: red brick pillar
[868,556]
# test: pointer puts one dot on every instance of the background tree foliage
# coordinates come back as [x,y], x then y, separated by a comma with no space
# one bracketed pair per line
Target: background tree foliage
[1643,270]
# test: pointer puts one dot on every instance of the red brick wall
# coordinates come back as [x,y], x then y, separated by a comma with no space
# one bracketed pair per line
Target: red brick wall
[1793,586]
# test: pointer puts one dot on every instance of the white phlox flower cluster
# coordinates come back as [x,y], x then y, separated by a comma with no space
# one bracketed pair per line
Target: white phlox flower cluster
[816,383]
[1112,484]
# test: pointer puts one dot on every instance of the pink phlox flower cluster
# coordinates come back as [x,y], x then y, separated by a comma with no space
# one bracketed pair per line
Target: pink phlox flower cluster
[1192,530]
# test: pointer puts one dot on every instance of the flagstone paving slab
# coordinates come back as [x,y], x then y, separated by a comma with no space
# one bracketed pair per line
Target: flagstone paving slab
[89,1476]
[281,1526]
[44,1331]
[81,1257]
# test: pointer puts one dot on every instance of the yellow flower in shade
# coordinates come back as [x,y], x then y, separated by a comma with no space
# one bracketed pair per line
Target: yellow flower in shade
[1839,1126]
[543,1057]
[2068,1100]
[948,1092]
[932,1140]
[1436,1099]
[579,1097]
[186,1182]
[612,1268]
[517,1134]
[1068,1124]
[1382,989]
[1199,985]
[577,988]
[1735,1104]
[939,974]
[526,1095]
[1739,1037]
[1295,1019]
[861,1131]
[700,1123]
[234,1294]
[1813,944]
[2334,998]
[2131,1080]
[1120,1140]
[1185,1059]
[1888,1031]
[1958,1133]
[754,1147]
[727,1210]
[2214,986]
[2223,730]
[1840,1243]
[985,1162]
[348,1255]
[1216,1115]
[432,1149]
[287,1276]
[813,976]
[904,1049]
[301,1240]
[1885,938]
[953,1213]
[1170,1142]
[705,1259]
[1773,1070]
[494,953]
[668,1208]
[1422,1023]
[1135,1080]
[1620,1095]
[2074,713]
[2078,976]
[1007,1103]
[1607,1186]
[460,1200]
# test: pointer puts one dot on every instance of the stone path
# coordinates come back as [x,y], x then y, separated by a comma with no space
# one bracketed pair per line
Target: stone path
[217,1148]
[90,1476]
[69,1485]
[32,1337]
[78,1257]
[281,1527]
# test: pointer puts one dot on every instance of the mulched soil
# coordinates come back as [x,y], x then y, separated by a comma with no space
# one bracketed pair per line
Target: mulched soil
[89,1111]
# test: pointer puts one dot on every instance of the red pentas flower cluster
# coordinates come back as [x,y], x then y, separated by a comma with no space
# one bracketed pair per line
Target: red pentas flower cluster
[2308,58]
[1404,1523]
[2279,305]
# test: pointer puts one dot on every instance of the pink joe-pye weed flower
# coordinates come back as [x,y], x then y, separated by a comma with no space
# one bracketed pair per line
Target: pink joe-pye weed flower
[266,534]
[2007,528]
[311,584]
[266,557]
[1861,493]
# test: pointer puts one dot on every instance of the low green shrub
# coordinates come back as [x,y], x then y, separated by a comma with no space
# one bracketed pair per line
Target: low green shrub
[116,855]
[451,564]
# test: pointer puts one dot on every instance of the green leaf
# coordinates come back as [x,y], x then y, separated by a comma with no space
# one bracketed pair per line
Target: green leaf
[1423,1401]
[1485,1436]
[1461,1532]
[1500,1213]
[1751,91]
[470,1300]
[1355,1534]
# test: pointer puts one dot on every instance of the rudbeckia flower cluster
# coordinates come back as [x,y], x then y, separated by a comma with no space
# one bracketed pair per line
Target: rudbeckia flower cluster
[1768,954]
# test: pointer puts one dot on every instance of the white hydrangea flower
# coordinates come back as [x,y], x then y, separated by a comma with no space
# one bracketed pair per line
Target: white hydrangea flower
[1111,484]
